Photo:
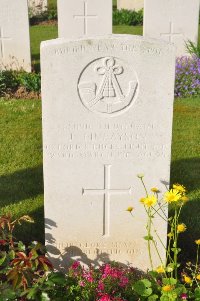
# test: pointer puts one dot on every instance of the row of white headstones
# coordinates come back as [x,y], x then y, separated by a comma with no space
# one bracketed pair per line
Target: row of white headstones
[175,21]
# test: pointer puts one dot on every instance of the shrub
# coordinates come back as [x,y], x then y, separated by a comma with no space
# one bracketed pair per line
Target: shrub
[8,82]
[20,266]
[127,17]
[11,81]
[30,81]
[187,82]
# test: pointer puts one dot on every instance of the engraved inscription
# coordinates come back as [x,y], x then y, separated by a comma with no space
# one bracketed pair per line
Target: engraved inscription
[96,248]
[171,34]
[108,141]
[111,90]
[85,18]
[2,38]
[107,191]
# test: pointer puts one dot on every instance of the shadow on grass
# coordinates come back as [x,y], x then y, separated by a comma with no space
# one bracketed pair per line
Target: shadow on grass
[21,185]
[35,58]
[187,172]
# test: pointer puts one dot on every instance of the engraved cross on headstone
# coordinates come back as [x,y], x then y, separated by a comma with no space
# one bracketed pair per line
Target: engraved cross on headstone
[2,38]
[85,17]
[171,34]
[106,192]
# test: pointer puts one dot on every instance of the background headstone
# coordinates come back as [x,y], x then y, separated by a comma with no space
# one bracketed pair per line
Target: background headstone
[14,35]
[175,21]
[130,4]
[107,116]
[36,7]
[81,18]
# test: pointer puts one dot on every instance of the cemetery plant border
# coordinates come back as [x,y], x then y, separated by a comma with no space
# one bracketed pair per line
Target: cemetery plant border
[27,274]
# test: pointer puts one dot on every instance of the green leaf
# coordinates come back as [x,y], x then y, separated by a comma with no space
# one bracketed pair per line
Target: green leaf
[169,281]
[176,250]
[152,297]
[11,254]
[57,278]
[21,246]
[2,260]
[143,287]
[197,293]
[148,237]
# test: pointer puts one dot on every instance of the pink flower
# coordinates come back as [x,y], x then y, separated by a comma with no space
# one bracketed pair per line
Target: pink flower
[101,286]
[105,298]
[183,296]
[81,283]
[75,265]
[123,281]
[88,276]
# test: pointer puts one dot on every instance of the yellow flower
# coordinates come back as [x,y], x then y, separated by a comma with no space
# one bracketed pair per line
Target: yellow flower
[160,270]
[142,200]
[149,201]
[167,288]
[197,242]
[181,228]
[129,209]
[185,199]
[198,277]
[173,195]
[180,188]
[154,189]
[187,279]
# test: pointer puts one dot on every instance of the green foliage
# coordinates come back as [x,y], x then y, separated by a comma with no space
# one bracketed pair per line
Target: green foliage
[10,81]
[50,14]
[143,288]
[20,266]
[127,17]
[30,81]
[193,49]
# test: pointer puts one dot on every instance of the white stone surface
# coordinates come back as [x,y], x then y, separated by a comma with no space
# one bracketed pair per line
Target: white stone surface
[82,18]
[107,116]
[130,4]
[14,35]
[175,21]
[36,7]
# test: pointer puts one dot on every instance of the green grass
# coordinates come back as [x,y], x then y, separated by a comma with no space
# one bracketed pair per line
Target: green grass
[21,179]
[185,167]
[38,34]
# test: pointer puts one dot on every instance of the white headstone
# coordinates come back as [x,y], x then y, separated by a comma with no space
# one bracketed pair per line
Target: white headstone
[37,7]
[82,18]
[174,21]
[130,4]
[107,116]
[14,35]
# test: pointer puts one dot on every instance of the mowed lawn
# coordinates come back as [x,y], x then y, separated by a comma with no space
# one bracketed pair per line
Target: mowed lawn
[21,179]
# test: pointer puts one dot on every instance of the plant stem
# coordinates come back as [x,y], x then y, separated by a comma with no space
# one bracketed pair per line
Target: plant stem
[144,187]
[175,243]
[197,260]
[149,237]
